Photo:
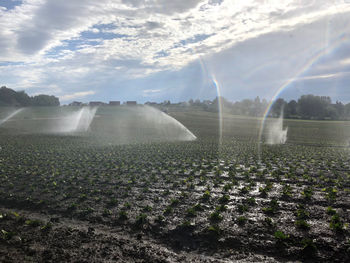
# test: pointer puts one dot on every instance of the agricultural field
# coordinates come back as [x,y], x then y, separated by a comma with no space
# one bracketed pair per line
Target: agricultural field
[79,198]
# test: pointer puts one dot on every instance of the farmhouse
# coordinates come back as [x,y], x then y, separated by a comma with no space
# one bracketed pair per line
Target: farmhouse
[131,103]
[96,103]
[114,103]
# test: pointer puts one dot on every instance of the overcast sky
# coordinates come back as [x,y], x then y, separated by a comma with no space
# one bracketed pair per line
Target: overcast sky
[155,50]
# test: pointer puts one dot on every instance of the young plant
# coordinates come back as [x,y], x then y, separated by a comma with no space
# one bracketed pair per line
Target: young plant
[272,209]
[106,212]
[112,202]
[168,210]
[336,223]
[302,224]
[191,212]
[72,206]
[287,191]
[241,220]
[141,220]
[206,196]
[5,235]
[174,202]
[330,211]
[309,248]
[227,187]
[198,207]
[214,231]
[244,190]
[224,199]
[33,223]
[301,213]
[331,193]
[251,201]
[160,219]
[280,236]
[242,208]
[123,215]
[307,193]
[215,216]
[47,227]
[269,222]
[221,208]
[147,208]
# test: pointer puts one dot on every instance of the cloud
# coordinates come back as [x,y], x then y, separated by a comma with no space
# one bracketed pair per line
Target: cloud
[345,61]
[151,92]
[153,25]
[52,22]
[324,76]
[249,45]
[76,95]
[163,6]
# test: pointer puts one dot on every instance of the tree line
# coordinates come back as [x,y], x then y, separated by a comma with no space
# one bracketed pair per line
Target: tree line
[309,107]
[9,97]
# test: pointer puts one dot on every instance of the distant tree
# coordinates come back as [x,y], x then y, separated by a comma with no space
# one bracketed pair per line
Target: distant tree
[246,106]
[197,102]
[256,109]
[291,109]
[277,107]
[331,112]
[23,99]
[313,107]
[347,110]
[45,100]
[257,100]
[340,110]
[8,97]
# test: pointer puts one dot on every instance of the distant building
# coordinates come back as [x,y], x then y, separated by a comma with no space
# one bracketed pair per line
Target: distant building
[326,99]
[76,103]
[131,103]
[183,103]
[150,103]
[114,103]
[96,103]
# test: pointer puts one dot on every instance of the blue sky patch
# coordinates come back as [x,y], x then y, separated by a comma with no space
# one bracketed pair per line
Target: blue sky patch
[10,4]
[71,45]
[194,39]
[100,35]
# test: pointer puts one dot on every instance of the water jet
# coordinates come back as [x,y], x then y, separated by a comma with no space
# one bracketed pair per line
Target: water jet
[11,115]
[275,132]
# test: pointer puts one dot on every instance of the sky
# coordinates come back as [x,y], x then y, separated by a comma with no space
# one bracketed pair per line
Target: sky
[156,50]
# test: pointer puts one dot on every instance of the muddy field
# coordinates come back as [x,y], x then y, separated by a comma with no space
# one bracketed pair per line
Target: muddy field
[68,199]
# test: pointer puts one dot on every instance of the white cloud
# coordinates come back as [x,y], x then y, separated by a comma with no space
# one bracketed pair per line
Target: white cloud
[149,35]
[40,25]
[151,91]
[345,61]
[76,95]
[323,76]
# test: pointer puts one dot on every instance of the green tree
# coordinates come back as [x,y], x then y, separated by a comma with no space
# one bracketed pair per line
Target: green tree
[313,107]
[45,100]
